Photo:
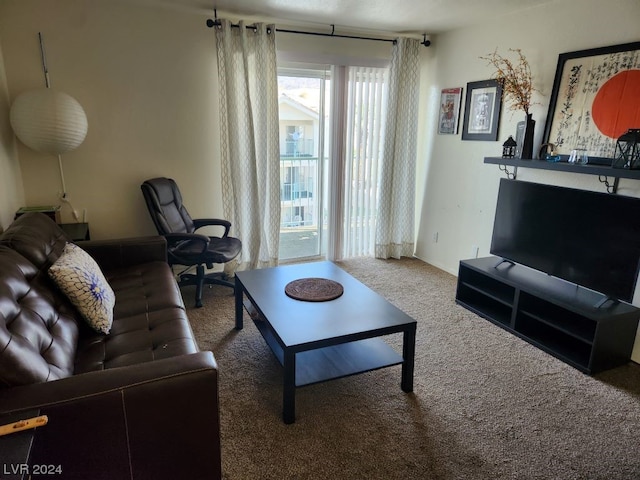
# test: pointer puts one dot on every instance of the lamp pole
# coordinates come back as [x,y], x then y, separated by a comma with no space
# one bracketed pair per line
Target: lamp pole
[47,83]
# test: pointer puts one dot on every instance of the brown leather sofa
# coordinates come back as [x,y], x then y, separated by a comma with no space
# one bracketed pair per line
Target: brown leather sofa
[138,403]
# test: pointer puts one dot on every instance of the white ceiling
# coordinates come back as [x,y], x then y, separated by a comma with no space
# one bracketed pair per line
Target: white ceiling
[394,16]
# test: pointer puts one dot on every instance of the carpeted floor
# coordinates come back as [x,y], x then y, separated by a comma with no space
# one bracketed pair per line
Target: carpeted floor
[486,405]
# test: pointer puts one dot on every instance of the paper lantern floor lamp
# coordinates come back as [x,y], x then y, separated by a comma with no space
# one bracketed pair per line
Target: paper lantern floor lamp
[49,121]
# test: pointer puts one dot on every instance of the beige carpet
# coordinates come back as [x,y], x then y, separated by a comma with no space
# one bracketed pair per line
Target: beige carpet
[486,405]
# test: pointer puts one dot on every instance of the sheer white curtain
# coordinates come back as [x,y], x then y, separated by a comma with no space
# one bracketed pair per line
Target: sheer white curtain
[247,76]
[396,206]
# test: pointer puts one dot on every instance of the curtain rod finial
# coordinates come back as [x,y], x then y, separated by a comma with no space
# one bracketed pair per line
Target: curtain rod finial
[425,42]
[214,22]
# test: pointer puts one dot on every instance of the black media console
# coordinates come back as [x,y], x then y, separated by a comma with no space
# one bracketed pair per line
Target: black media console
[554,315]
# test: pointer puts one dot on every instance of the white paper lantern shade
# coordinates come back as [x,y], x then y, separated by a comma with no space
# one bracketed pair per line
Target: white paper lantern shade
[48,121]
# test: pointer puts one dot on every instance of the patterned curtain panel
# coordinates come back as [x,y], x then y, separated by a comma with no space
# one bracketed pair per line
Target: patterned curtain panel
[247,75]
[395,223]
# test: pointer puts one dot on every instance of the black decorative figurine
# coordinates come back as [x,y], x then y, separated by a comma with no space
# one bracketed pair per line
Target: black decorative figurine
[628,150]
[509,148]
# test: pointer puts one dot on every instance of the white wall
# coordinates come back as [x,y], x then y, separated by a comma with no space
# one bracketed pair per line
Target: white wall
[146,79]
[146,76]
[11,191]
[460,190]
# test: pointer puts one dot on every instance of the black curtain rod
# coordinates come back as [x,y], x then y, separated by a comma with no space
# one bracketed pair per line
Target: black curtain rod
[213,23]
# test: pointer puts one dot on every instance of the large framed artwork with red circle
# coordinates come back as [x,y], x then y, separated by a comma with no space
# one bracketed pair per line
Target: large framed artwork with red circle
[595,99]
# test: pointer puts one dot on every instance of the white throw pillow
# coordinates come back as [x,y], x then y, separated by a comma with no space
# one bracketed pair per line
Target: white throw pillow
[81,280]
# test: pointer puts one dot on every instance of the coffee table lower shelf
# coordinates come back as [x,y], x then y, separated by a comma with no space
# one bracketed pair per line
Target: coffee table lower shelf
[336,361]
[332,362]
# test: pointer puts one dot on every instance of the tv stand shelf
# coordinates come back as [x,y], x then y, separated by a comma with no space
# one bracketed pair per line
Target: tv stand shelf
[556,316]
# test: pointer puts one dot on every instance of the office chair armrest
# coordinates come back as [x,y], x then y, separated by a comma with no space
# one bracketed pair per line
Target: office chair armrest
[203,222]
[185,256]
[174,239]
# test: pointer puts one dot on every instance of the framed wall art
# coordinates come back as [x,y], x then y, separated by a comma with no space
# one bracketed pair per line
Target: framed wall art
[594,100]
[450,101]
[482,110]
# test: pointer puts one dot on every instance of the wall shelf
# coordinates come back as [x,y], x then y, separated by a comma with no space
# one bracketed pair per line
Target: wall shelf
[604,172]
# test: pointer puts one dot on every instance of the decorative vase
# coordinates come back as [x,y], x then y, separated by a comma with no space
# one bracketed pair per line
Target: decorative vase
[527,141]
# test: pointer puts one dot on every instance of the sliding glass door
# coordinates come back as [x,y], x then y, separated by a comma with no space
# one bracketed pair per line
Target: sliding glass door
[303,119]
[331,129]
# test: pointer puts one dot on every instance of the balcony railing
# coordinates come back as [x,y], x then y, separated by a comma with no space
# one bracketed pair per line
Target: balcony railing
[298,184]
[302,147]
[294,191]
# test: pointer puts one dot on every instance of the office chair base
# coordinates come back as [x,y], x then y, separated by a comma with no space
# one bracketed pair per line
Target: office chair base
[200,279]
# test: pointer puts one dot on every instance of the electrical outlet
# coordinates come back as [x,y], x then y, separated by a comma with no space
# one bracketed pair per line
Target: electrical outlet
[474,251]
[435,237]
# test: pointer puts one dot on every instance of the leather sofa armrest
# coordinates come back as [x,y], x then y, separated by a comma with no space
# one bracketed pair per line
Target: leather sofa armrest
[157,419]
[100,382]
[124,252]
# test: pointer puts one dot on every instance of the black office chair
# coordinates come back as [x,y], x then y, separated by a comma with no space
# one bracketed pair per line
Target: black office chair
[185,247]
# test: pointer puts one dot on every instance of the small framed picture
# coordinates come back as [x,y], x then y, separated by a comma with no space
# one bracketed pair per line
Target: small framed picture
[450,101]
[482,110]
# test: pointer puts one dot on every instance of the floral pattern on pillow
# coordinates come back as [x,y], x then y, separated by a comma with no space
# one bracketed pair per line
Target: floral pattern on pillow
[81,280]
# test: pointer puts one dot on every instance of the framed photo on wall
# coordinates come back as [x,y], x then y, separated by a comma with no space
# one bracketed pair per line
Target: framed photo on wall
[482,110]
[450,101]
[594,100]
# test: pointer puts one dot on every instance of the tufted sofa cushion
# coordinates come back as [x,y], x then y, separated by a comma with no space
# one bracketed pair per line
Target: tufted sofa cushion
[42,335]
[116,403]
[38,326]
[36,237]
[150,321]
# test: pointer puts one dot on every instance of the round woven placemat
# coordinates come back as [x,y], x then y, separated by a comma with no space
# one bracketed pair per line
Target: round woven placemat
[313,289]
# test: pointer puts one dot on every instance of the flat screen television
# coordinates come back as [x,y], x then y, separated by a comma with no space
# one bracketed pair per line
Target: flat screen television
[587,238]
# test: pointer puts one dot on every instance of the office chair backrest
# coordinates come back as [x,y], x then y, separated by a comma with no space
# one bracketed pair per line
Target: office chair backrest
[165,206]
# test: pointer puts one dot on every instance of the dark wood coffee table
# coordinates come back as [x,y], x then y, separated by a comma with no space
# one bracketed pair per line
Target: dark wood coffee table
[320,341]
